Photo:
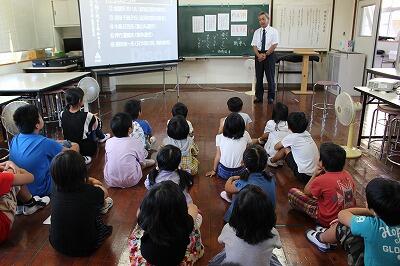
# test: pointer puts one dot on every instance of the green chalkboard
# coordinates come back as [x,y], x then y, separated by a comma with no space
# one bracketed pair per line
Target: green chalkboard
[219,42]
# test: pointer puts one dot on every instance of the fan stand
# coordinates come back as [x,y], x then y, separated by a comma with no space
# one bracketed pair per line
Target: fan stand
[86,106]
[351,151]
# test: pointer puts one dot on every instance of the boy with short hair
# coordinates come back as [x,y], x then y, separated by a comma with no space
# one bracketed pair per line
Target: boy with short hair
[298,148]
[330,190]
[370,236]
[11,178]
[134,109]
[34,152]
[125,156]
[235,105]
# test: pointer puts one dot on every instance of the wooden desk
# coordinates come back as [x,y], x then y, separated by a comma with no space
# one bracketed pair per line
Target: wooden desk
[306,53]
[36,83]
[368,96]
[69,68]
[390,73]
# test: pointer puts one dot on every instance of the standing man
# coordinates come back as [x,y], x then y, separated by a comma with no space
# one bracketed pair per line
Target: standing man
[265,41]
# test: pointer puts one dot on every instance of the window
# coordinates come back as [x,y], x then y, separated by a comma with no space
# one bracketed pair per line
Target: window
[367,20]
[25,26]
[389,25]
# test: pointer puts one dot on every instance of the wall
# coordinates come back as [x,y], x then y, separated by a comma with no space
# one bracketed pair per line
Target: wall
[219,71]
[216,70]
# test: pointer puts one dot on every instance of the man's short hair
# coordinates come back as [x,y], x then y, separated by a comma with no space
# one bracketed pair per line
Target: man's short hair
[263,13]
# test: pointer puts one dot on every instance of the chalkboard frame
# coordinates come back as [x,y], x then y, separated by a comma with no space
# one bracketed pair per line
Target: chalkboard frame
[183,50]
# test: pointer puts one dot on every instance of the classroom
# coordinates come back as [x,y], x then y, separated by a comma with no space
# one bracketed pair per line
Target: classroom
[200,132]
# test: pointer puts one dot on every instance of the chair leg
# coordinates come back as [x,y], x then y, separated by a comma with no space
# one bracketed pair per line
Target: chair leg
[385,131]
[372,126]
[325,102]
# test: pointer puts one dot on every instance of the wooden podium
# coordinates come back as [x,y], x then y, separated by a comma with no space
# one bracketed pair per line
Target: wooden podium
[306,53]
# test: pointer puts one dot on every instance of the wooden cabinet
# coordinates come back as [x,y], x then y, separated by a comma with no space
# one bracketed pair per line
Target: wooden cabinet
[65,13]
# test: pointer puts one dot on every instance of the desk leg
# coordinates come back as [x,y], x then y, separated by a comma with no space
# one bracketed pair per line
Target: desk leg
[304,77]
[177,80]
[364,107]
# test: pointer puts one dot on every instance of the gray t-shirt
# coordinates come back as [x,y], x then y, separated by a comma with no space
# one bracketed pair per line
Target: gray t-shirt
[165,176]
[240,252]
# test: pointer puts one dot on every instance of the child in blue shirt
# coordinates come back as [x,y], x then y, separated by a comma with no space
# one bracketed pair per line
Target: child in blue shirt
[134,109]
[372,233]
[32,151]
[255,160]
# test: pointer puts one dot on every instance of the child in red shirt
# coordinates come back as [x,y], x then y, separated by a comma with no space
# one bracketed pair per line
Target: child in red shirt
[330,190]
[11,177]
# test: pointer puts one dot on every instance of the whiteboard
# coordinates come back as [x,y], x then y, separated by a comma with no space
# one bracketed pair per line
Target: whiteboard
[128,32]
[303,23]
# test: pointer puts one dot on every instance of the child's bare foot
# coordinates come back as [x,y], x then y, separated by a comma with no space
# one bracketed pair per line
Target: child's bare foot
[148,163]
[211,173]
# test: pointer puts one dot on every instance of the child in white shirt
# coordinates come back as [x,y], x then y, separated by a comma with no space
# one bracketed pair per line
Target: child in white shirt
[235,105]
[275,129]
[298,148]
[231,145]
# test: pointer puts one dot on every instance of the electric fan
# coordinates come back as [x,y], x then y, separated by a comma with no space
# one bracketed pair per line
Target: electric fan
[346,109]
[250,66]
[7,120]
[91,89]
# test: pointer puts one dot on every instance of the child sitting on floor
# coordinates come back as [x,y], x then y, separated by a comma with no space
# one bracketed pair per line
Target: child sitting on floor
[250,236]
[370,236]
[32,151]
[330,190]
[235,105]
[255,161]
[134,109]
[77,228]
[81,127]
[276,129]
[178,136]
[231,145]
[181,109]
[167,230]
[125,156]
[168,160]
[298,148]
[12,186]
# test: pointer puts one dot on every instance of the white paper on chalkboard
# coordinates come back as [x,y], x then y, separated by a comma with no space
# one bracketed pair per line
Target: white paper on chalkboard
[210,23]
[198,24]
[239,30]
[239,15]
[223,21]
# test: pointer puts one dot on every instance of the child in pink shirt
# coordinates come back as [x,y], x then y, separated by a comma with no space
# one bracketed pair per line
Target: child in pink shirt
[125,156]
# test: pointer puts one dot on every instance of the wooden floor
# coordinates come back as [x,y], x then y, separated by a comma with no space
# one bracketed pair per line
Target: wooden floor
[29,243]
